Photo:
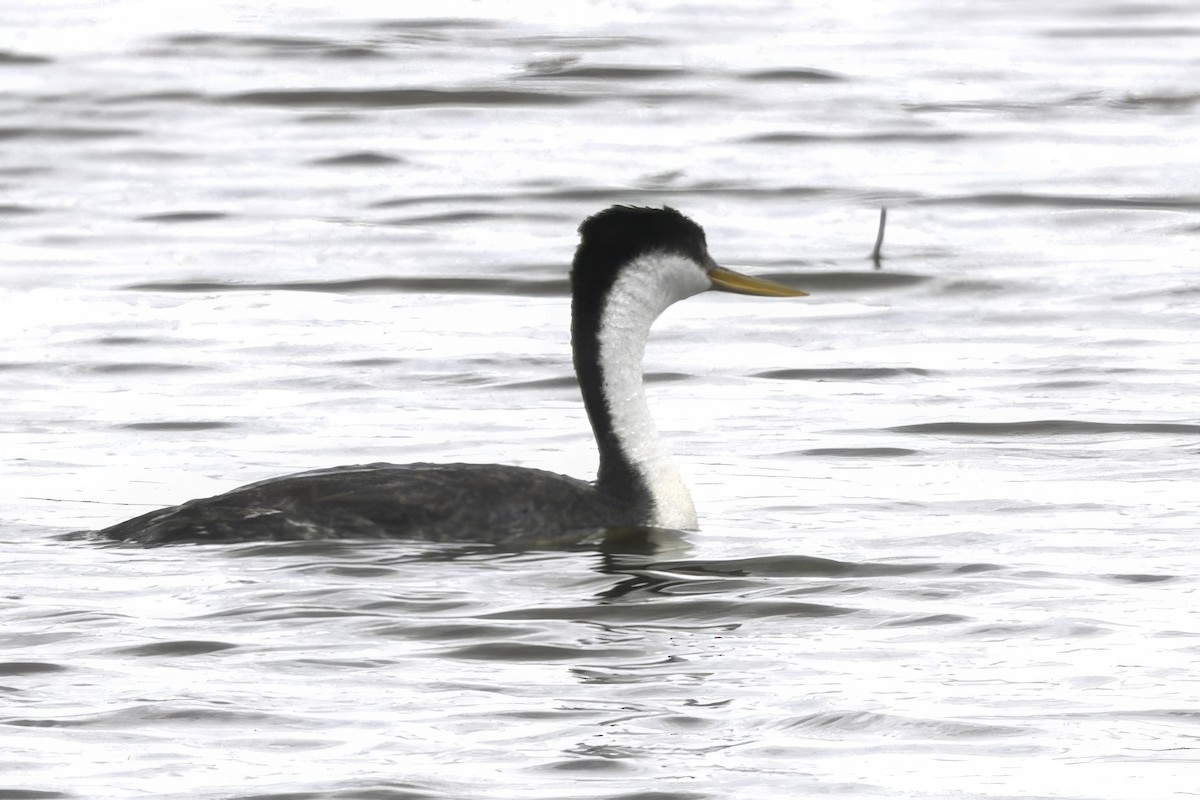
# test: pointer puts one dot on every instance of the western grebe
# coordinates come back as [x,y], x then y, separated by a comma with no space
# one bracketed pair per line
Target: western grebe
[631,264]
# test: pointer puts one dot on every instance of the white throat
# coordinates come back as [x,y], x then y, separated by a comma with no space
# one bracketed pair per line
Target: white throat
[640,294]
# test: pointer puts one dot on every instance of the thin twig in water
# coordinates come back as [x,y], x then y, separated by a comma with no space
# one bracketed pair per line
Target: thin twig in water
[877,253]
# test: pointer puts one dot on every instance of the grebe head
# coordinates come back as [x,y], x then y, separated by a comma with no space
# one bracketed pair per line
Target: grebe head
[621,235]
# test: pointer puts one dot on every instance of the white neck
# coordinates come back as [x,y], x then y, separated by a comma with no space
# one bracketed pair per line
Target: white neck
[641,292]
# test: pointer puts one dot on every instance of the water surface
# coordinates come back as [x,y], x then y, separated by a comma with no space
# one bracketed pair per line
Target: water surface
[947,506]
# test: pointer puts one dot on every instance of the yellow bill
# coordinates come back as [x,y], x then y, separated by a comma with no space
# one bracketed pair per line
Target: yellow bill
[727,280]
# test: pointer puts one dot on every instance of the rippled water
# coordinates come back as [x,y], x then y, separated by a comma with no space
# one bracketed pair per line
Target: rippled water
[948,505]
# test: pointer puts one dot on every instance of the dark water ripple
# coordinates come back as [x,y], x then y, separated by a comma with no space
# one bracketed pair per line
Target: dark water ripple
[793,566]
[184,216]
[679,612]
[865,137]
[368,791]
[359,45]
[1035,200]
[361,159]
[864,721]
[142,367]
[452,217]
[1143,578]
[560,382]
[843,373]
[184,647]
[1166,102]
[1124,32]
[175,96]
[66,133]
[9,668]
[116,340]
[209,45]
[794,75]
[609,73]
[1053,427]
[858,452]
[608,194]
[584,43]
[400,98]
[10,58]
[510,652]
[418,285]
[138,716]
[180,425]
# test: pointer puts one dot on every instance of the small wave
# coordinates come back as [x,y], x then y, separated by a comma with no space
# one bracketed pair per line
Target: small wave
[1159,102]
[435,23]
[890,724]
[665,377]
[184,216]
[1142,578]
[193,45]
[498,286]
[798,75]
[859,452]
[1170,292]
[9,668]
[176,96]
[133,368]
[989,106]
[181,647]
[532,652]
[585,43]
[14,210]
[795,566]
[447,216]
[371,361]
[356,789]
[1124,32]
[363,159]
[561,382]
[975,286]
[1052,427]
[199,39]
[400,98]
[138,716]
[176,426]
[1034,200]
[9,58]
[603,194]
[653,195]
[612,73]
[842,373]
[1065,385]
[125,341]
[879,137]
[702,610]
[921,620]
[65,133]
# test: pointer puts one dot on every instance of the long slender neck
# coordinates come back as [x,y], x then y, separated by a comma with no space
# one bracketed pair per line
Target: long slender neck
[609,339]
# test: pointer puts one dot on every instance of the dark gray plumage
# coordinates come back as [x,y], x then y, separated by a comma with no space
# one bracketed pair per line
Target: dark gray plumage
[433,502]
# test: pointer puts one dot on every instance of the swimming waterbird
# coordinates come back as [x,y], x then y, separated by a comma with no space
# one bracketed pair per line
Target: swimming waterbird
[631,264]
